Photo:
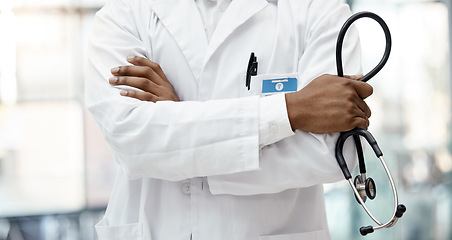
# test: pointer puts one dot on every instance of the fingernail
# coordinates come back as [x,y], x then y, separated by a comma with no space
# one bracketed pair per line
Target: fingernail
[130,58]
[115,70]
[124,92]
[114,80]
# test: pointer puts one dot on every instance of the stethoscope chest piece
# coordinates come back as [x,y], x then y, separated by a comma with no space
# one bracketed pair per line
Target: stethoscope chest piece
[362,186]
[366,187]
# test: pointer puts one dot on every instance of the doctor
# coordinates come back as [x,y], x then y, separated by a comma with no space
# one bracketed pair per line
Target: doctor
[202,157]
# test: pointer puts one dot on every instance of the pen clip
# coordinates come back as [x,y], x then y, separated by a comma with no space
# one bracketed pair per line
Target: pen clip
[251,70]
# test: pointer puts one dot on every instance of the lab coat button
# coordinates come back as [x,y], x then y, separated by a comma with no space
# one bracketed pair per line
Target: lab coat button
[273,128]
[186,188]
[223,7]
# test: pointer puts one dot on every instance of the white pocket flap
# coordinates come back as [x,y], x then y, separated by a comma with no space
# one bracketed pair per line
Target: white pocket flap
[314,235]
[131,231]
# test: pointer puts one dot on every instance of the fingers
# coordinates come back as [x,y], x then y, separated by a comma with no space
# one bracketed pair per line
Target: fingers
[138,71]
[363,90]
[141,61]
[362,119]
[361,123]
[144,96]
[356,117]
[137,82]
[361,114]
[364,108]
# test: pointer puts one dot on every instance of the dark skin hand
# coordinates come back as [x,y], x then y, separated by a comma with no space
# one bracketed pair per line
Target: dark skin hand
[147,76]
[328,104]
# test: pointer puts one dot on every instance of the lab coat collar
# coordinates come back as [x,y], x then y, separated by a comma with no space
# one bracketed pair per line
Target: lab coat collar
[238,12]
[184,22]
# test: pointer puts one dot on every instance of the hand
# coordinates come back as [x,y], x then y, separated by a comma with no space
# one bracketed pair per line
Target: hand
[147,76]
[330,104]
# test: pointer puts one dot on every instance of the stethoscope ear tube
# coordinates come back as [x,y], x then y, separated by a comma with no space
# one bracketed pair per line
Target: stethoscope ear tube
[341,37]
[398,214]
[340,145]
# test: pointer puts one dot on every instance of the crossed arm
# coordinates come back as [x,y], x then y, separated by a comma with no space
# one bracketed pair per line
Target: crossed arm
[326,105]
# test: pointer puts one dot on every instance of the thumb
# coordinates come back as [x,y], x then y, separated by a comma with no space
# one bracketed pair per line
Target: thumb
[363,89]
[354,77]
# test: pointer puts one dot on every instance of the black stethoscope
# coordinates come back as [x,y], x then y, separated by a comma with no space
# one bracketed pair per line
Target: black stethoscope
[362,186]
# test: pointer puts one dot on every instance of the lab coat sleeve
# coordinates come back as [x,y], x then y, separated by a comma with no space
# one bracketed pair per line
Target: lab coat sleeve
[165,140]
[305,159]
[274,124]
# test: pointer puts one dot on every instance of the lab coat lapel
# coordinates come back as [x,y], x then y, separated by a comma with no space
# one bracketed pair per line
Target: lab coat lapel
[238,12]
[183,20]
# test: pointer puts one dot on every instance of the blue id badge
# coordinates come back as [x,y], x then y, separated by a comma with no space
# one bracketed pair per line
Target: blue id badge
[279,85]
[269,84]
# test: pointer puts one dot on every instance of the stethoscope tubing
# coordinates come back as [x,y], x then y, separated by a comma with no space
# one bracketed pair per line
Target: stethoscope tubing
[340,145]
[340,40]
[357,132]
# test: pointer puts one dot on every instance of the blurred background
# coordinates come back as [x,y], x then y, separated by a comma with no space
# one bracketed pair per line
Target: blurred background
[56,172]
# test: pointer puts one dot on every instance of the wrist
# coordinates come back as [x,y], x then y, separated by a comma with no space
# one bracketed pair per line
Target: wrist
[294,113]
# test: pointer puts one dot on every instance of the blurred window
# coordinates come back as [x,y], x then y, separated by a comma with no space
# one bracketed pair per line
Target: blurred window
[46,165]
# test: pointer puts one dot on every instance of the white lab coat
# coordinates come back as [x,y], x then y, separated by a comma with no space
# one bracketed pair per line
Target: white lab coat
[195,167]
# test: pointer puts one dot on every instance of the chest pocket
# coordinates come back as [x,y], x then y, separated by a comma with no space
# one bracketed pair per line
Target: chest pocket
[314,235]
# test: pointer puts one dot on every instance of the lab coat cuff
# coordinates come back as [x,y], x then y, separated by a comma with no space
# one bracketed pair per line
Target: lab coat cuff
[274,124]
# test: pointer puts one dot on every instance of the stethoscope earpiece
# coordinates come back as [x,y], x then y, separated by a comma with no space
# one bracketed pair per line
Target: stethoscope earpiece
[366,230]
[401,209]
